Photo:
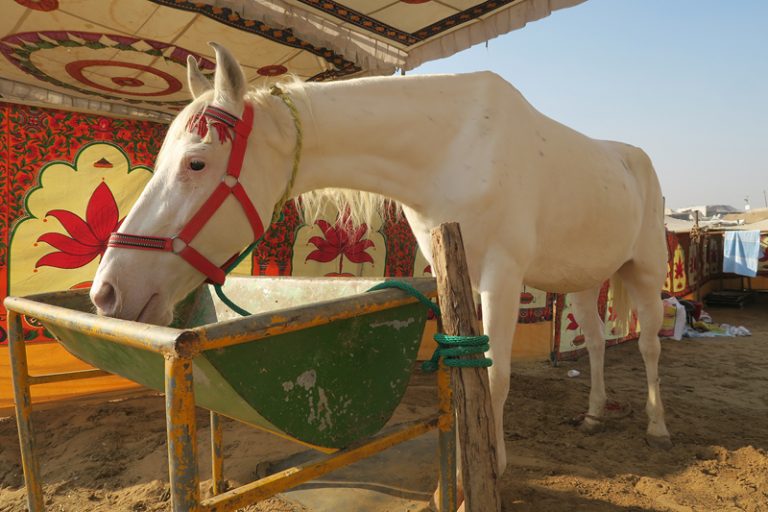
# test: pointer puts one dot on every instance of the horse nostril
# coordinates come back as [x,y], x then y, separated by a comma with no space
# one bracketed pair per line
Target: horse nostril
[104,297]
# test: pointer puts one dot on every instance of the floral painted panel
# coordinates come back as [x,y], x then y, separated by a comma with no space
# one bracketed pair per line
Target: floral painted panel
[68,179]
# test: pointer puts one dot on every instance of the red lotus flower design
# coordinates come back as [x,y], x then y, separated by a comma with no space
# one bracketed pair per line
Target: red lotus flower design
[40,5]
[87,238]
[340,240]
[572,324]
[679,269]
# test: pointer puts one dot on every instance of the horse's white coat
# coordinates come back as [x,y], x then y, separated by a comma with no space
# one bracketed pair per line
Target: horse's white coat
[539,203]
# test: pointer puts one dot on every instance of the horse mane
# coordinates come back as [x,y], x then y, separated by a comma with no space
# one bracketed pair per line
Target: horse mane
[355,207]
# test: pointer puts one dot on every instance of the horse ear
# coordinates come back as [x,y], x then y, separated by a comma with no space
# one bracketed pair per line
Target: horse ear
[198,84]
[229,82]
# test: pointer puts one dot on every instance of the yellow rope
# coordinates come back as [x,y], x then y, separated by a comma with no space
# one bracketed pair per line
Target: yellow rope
[277,91]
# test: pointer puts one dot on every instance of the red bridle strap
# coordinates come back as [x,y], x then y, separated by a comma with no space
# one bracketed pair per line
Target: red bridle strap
[230,184]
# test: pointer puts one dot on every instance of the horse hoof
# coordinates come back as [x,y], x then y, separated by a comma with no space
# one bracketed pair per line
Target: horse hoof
[659,442]
[591,427]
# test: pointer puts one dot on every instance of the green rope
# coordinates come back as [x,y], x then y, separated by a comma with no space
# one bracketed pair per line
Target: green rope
[278,211]
[220,292]
[450,348]
[410,290]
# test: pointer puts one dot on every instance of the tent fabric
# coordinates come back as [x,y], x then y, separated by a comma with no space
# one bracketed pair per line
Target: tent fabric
[569,341]
[398,34]
[128,57]
[132,54]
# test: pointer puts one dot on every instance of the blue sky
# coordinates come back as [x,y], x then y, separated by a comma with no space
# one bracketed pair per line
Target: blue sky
[686,80]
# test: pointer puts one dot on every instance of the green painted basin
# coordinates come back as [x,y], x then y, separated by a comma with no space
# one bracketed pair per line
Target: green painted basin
[336,379]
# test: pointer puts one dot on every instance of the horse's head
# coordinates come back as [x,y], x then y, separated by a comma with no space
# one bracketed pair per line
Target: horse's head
[195,213]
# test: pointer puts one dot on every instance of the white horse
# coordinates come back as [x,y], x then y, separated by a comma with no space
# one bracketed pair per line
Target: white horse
[539,203]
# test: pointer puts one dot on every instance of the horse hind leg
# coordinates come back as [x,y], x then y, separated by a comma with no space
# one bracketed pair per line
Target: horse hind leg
[587,316]
[643,282]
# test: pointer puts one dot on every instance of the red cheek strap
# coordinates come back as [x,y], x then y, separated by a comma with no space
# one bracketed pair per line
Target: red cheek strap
[230,184]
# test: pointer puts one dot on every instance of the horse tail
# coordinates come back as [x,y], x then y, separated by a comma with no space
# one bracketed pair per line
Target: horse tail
[622,305]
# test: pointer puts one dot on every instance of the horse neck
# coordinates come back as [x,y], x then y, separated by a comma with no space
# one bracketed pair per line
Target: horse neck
[356,137]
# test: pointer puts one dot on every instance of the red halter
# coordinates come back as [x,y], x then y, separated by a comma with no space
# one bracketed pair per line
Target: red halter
[229,184]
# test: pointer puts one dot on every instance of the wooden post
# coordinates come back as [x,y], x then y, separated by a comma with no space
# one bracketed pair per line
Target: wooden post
[699,259]
[471,392]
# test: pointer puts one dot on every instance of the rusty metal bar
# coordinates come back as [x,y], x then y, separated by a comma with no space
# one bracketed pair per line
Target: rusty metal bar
[23,401]
[278,482]
[163,340]
[66,376]
[182,435]
[447,441]
[241,330]
[217,454]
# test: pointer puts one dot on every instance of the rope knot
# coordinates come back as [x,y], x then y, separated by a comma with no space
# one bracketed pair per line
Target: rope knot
[452,348]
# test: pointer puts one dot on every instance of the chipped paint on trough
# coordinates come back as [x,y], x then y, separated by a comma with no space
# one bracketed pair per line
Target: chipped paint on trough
[307,379]
[395,324]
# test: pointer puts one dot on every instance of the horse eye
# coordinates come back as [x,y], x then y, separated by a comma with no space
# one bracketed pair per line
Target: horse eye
[197,165]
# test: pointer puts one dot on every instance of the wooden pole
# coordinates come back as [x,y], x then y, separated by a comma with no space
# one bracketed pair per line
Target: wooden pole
[699,259]
[471,392]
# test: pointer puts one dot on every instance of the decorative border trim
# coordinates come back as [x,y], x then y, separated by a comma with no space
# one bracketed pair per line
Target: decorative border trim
[225,15]
[461,17]
[358,19]
[332,8]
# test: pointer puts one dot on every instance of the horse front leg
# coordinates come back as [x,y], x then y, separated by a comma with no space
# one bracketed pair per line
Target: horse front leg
[500,306]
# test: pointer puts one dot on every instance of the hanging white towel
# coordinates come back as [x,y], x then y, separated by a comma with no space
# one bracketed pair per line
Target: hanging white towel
[741,250]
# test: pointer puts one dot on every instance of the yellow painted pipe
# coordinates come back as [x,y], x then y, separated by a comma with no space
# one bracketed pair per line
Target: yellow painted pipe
[67,376]
[217,454]
[257,327]
[163,340]
[23,402]
[273,484]
[182,438]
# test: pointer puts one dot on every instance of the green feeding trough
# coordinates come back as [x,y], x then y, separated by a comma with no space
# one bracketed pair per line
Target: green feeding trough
[323,361]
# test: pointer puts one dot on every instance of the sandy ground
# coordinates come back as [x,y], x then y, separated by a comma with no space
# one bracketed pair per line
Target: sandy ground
[111,456]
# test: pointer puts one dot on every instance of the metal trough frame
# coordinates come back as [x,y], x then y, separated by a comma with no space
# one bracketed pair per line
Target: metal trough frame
[179,347]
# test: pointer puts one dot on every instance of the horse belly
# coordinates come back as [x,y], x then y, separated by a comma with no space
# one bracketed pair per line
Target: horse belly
[573,257]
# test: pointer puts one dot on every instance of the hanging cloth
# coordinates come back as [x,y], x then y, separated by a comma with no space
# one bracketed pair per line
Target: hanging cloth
[741,250]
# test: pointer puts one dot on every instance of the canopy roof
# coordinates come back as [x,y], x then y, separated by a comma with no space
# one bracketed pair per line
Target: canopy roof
[128,57]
